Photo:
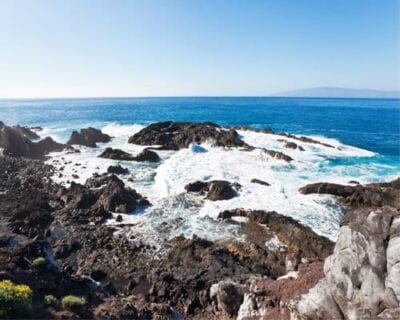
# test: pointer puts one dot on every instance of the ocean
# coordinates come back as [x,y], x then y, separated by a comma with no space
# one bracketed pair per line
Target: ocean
[365,132]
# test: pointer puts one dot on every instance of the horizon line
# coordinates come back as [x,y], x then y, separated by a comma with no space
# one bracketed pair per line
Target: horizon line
[192,96]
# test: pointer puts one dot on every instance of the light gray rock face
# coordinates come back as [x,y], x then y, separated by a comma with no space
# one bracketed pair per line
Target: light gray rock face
[363,274]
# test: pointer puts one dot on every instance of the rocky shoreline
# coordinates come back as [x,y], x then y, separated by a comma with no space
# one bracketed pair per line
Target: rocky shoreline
[281,270]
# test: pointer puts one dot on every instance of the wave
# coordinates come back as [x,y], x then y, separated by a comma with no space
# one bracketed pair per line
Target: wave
[174,212]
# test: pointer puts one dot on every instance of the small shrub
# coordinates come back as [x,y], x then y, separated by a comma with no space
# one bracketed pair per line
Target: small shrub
[72,301]
[39,262]
[50,300]
[15,299]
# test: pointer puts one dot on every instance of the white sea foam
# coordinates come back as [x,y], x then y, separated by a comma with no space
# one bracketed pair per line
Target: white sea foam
[174,212]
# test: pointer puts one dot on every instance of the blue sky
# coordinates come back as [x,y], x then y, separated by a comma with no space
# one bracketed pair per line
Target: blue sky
[195,47]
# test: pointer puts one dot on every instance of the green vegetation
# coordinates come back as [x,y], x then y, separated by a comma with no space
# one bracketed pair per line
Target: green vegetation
[72,301]
[50,300]
[39,262]
[15,299]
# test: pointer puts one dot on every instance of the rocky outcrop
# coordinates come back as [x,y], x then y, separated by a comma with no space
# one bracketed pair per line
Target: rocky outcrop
[296,237]
[362,277]
[214,190]
[117,170]
[14,141]
[116,154]
[177,135]
[291,145]
[147,155]
[373,194]
[88,137]
[26,132]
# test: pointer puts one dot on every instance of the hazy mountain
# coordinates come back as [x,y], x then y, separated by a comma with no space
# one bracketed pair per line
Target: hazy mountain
[335,92]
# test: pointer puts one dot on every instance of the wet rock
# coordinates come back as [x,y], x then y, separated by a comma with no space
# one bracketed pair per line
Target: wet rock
[147,155]
[88,137]
[374,194]
[177,135]
[116,154]
[117,170]
[291,145]
[258,181]
[214,190]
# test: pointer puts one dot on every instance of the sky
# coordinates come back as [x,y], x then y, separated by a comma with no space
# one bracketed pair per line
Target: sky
[54,48]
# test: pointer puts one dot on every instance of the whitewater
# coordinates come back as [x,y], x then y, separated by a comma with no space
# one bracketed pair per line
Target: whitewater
[175,212]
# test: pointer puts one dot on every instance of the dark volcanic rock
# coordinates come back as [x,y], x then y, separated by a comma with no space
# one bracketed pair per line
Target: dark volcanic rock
[177,135]
[116,154]
[99,180]
[117,170]
[147,155]
[294,235]
[214,190]
[264,183]
[374,194]
[291,145]
[88,137]
[14,142]
[26,132]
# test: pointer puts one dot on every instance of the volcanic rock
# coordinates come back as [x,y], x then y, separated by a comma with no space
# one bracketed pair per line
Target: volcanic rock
[116,154]
[88,137]
[177,135]
[373,194]
[214,190]
[264,183]
[117,170]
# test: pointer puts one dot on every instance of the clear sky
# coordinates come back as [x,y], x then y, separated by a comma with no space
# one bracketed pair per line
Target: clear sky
[196,47]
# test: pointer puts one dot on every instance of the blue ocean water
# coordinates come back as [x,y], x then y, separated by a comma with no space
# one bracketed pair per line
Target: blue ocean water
[372,124]
[369,124]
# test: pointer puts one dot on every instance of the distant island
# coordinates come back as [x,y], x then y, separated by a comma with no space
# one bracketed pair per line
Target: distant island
[337,92]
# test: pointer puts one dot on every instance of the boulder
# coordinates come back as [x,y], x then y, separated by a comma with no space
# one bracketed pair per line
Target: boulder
[117,170]
[147,155]
[116,154]
[214,190]
[88,137]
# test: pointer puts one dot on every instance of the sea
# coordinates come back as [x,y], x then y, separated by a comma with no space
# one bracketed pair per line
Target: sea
[365,134]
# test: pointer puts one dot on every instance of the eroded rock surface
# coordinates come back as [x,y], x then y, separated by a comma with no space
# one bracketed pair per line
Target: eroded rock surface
[214,190]
[177,135]
[16,141]
[88,137]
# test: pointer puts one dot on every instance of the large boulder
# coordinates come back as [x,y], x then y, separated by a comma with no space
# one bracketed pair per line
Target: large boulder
[88,137]
[171,135]
[363,274]
[214,190]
